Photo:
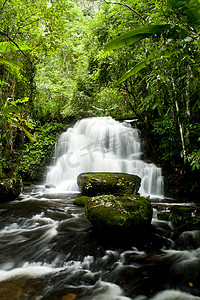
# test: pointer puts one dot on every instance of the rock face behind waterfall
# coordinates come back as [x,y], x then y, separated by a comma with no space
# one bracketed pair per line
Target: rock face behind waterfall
[119,213]
[92,184]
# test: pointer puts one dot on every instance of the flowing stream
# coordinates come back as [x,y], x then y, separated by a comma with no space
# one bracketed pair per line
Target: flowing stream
[50,251]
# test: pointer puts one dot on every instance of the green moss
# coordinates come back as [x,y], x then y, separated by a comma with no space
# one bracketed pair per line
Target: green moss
[81,201]
[180,215]
[111,212]
[92,184]
[38,154]
[163,215]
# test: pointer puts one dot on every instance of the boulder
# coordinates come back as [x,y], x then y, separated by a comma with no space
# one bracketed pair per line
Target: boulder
[127,212]
[93,184]
[10,188]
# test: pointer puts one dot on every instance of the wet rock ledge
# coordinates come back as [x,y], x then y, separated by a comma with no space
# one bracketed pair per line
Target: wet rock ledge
[10,188]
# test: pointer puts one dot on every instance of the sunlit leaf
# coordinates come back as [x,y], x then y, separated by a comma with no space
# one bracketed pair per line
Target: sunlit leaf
[17,123]
[190,284]
[23,100]
[3,82]
[8,46]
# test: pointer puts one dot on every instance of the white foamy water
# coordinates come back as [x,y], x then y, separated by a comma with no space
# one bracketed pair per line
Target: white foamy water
[50,240]
[107,291]
[102,145]
[173,295]
[31,270]
[169,295]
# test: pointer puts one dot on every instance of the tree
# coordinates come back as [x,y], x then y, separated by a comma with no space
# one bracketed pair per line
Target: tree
[57,74]
[29,29]
[180,83]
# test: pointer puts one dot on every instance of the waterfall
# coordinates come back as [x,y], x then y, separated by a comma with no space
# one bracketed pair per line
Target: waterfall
[101,145]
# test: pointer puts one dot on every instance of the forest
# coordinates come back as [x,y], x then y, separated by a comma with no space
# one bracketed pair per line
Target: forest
[64,60]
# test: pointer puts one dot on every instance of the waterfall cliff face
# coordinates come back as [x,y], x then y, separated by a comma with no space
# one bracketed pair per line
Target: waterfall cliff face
[101,145]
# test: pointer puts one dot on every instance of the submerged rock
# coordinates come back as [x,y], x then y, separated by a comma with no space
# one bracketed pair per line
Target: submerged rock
[20,288]
[93,184]
[50,186]
[10,188]
[69,297]
[127,212]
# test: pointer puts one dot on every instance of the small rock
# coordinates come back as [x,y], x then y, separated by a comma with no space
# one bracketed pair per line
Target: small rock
[49,186]
[69,297]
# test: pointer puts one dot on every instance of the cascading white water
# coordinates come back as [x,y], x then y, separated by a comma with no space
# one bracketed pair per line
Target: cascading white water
[102,145]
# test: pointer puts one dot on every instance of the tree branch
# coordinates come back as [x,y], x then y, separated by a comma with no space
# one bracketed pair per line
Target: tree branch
[11,40]
[129,7]
[4,4]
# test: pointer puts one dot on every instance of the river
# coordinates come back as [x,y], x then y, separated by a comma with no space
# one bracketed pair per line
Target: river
[50,251]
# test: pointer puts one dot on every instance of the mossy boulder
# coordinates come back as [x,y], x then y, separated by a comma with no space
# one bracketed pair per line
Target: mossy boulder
[93,184]
[183,215]
[119,213]
[10,188]
[81,201]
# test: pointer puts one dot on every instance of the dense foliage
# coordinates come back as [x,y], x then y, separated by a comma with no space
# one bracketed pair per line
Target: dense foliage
[28,30]
[37,155]
[132,59]
[169,91]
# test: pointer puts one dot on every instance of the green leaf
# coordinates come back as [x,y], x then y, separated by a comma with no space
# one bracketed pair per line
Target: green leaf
[133,71]
[25,99]
[11,109]
[3,82]
[13,67]
[14,121]
[194,159]
[7,46]
[141,65]
[135,35]
[125,40]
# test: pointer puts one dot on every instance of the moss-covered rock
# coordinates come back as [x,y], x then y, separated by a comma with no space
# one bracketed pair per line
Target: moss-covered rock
[128,212]
[163,215]
[81,201]
[10,188]
[182,215]
[93,184]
